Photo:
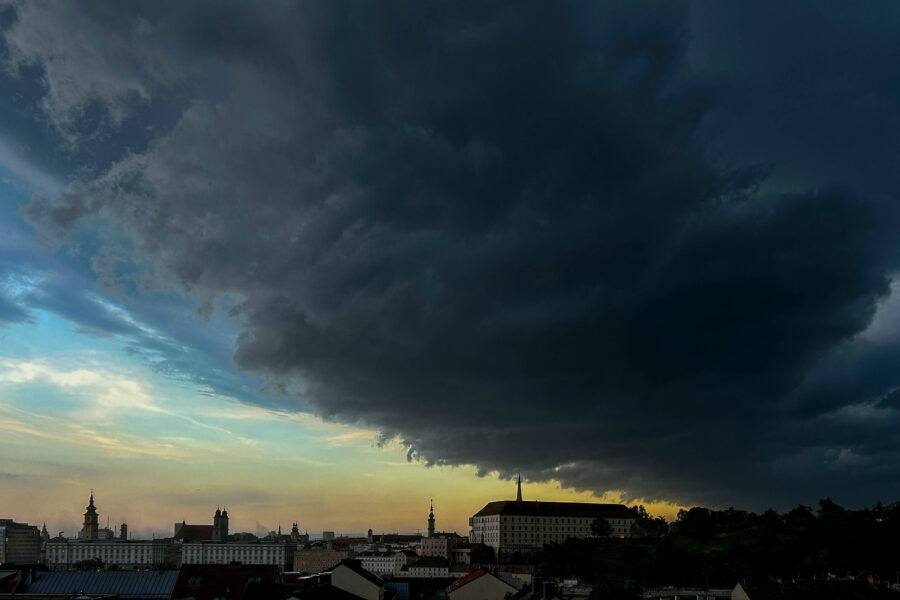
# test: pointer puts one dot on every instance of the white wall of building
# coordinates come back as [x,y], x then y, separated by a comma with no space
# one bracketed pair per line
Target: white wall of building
[125,555]
[201,553]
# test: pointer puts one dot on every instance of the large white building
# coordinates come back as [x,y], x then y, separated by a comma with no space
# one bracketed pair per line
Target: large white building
[249,553]
[382,563]
[511,526]
[63,554]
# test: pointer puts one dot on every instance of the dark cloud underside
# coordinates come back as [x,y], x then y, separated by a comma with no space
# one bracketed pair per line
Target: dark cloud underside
[517,237]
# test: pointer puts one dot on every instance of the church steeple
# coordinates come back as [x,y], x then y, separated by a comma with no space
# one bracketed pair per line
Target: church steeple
[91,521]
[519,488]
[431,521]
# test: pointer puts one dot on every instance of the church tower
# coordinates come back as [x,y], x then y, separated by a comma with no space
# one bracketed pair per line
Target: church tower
[217,524]
[91,526]
[220,526]
[431,521]
[223,527]
[519,488]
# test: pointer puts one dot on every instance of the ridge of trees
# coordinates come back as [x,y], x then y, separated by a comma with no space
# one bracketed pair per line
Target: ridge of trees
[717,548]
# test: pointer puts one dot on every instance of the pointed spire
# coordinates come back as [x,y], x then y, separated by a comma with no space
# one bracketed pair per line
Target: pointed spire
[519,488]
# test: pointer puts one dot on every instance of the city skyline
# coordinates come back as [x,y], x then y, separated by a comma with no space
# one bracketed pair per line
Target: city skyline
[249,523]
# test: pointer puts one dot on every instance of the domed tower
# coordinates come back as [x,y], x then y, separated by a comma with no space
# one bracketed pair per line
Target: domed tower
[91,521]
[431,521]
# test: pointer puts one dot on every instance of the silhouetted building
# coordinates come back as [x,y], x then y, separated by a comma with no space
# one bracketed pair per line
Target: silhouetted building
[217,532]
[480,584]
[90,528]
[222,582]
[351,577]
[317,561]
[20,543]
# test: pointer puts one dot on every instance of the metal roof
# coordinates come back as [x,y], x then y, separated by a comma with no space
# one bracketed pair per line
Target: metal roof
[127,584]
[531,508]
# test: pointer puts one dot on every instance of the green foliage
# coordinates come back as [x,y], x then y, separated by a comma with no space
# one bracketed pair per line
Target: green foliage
[92,564]
[601,527]
[482,554]
[721,547]
[647,526]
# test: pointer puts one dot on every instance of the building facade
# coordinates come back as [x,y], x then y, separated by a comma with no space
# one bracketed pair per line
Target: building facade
[382,563]
[248,553]
[351,577]
[428,567]
[20,543]
[64,554]
[480,585]
[511,526]
[441,544]
[317,561]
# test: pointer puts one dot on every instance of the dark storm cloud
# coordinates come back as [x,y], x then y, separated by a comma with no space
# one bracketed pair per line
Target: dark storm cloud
[503,235]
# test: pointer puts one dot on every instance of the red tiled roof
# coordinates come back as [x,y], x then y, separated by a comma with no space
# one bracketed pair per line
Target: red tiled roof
[556,509]
[467,579]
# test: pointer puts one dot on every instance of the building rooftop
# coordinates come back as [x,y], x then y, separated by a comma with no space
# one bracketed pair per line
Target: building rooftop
[125,584]
[431,562]
[356,567]
[535,508]
[194,533]
[325,592]
[446,534]
[463,581]
[205,582]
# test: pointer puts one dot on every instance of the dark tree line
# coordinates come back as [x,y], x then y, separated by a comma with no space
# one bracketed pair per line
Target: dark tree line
[719,548]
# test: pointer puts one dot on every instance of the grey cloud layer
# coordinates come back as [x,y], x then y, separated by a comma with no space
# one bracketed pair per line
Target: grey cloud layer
[500,235]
